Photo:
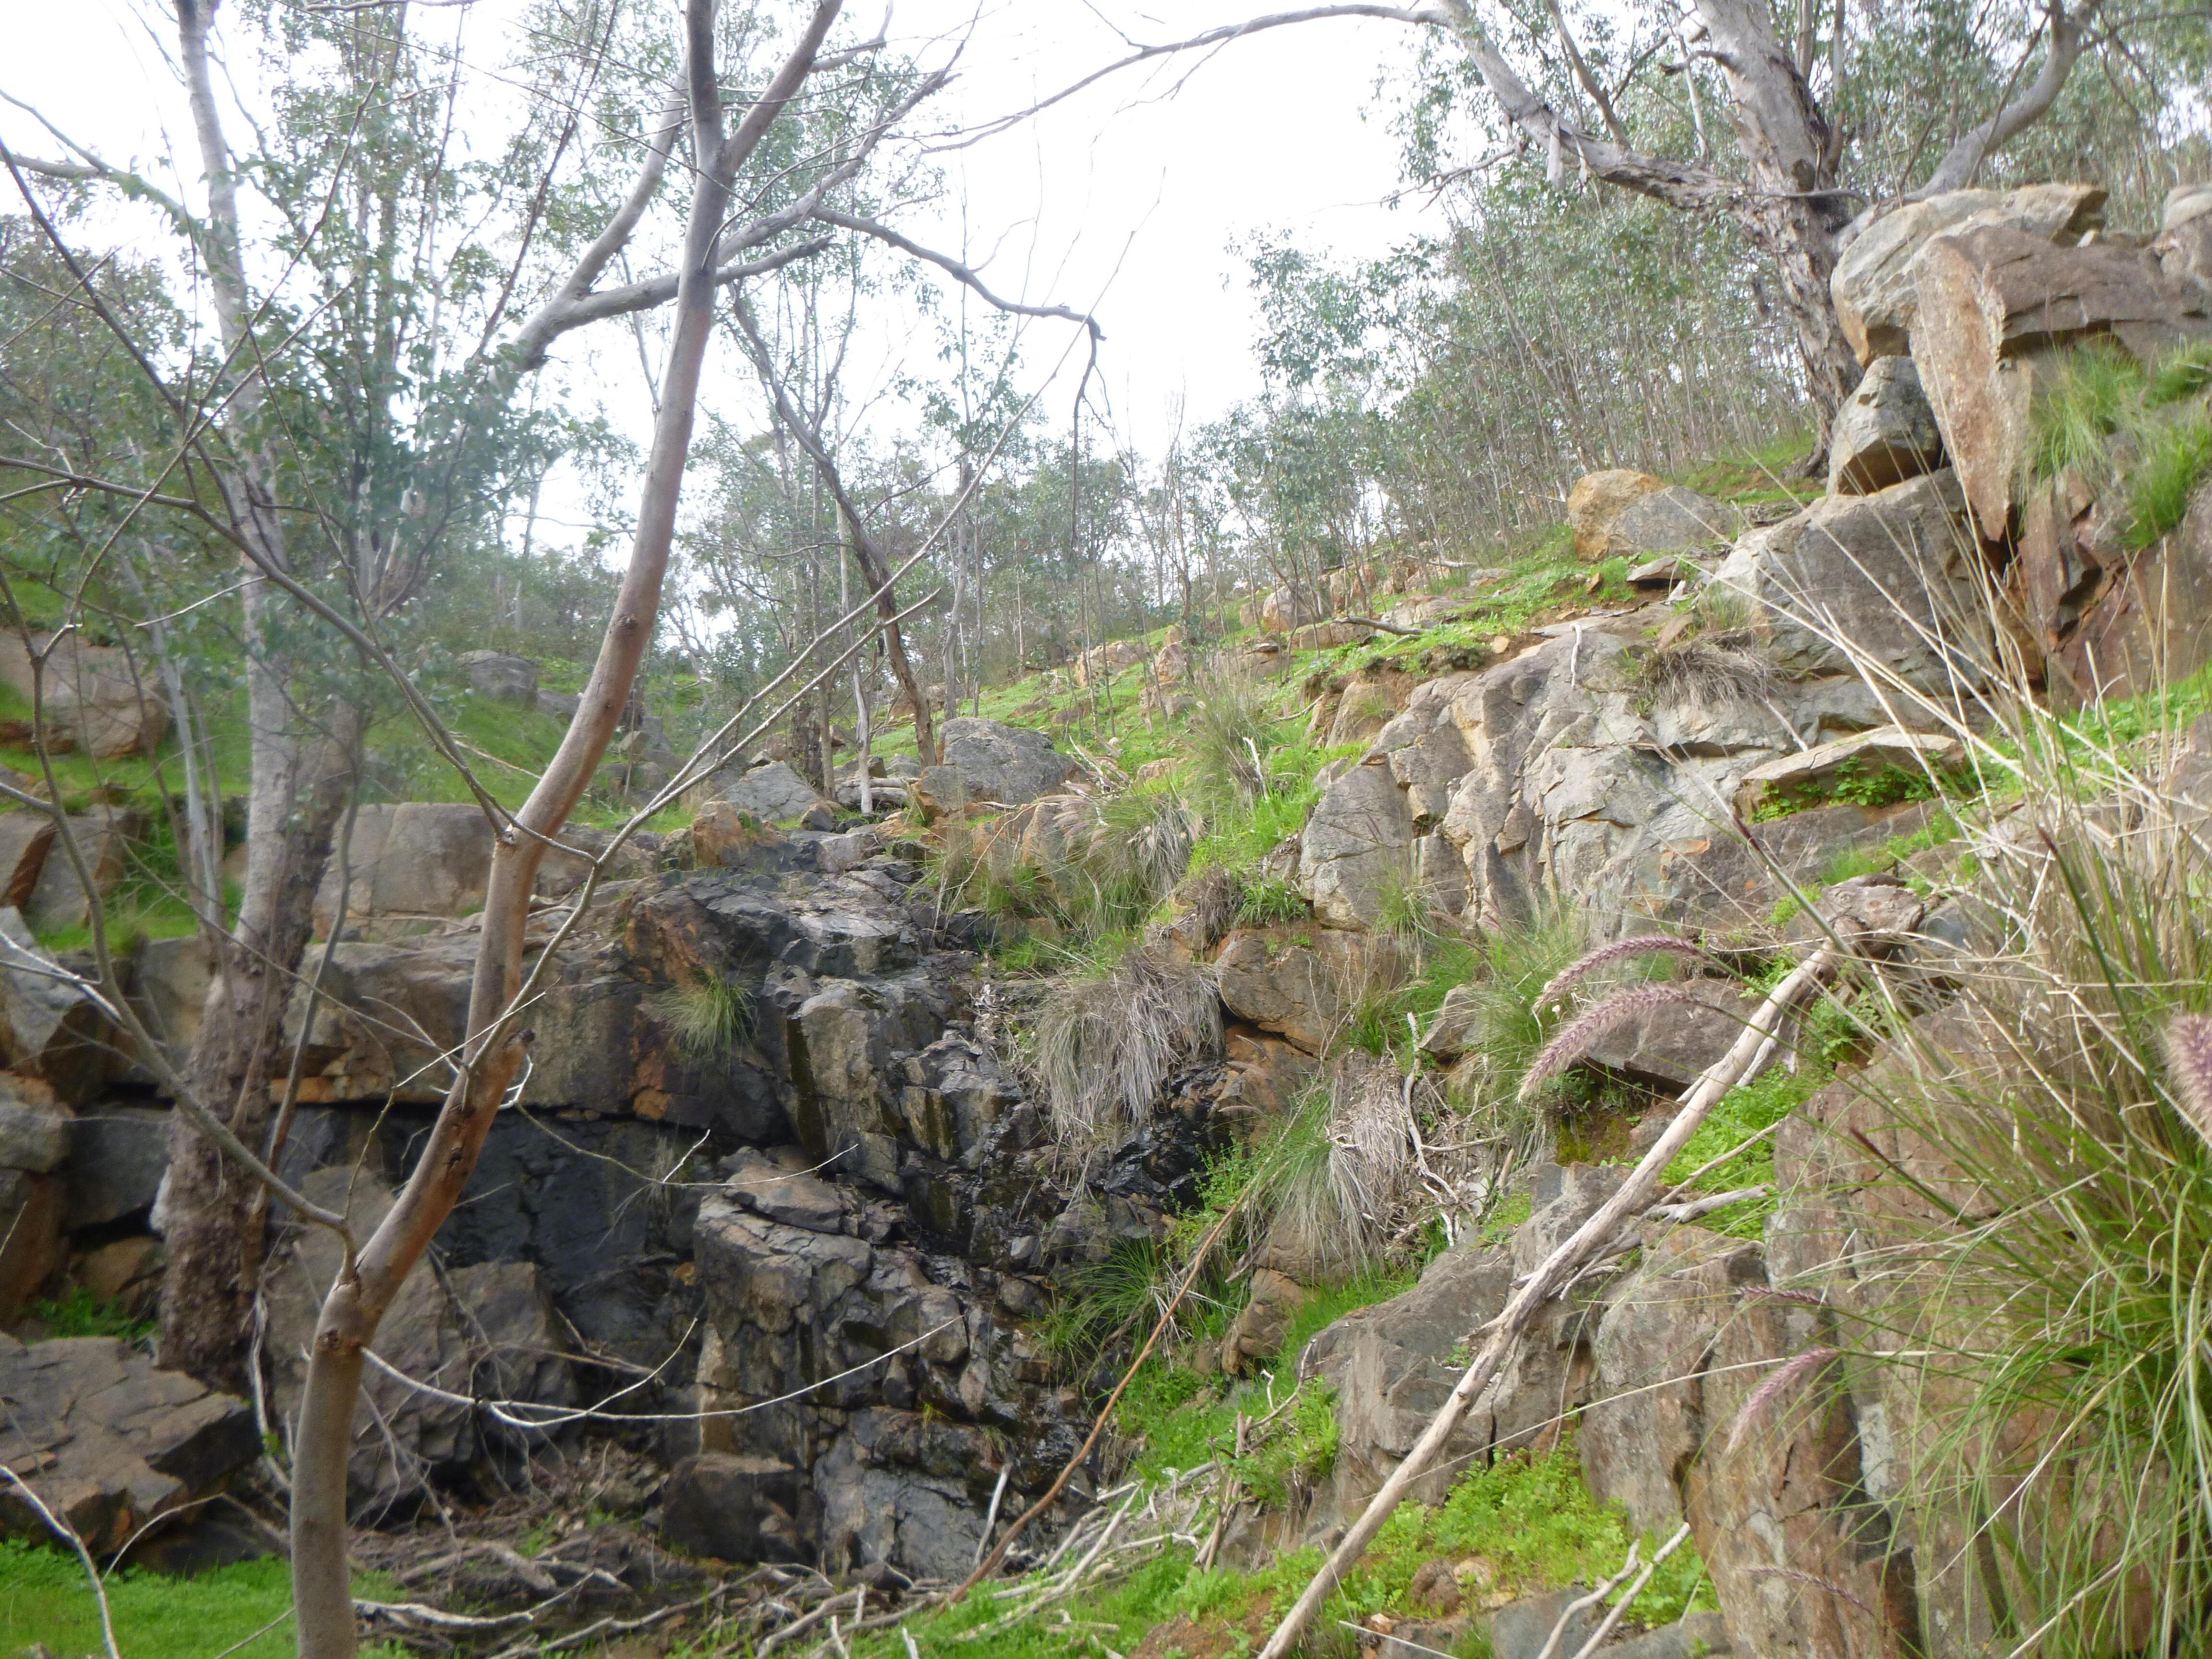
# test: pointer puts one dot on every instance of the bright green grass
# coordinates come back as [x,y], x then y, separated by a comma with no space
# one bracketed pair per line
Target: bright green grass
[46,1602]
[1531,1519]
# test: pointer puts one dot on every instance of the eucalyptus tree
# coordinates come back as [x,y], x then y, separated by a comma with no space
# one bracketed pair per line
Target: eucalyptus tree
[754,206]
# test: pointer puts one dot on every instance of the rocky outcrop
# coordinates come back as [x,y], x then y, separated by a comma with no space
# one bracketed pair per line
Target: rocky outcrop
[502,676]
[1552,771]
[1006,764]
[1873,286]
[423,861]
[487,1332]
[1865,754]
[1994,302]
[1893,572]
[774,793]
[109,1444]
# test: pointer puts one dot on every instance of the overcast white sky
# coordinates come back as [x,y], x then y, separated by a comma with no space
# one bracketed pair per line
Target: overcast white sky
[1130,196]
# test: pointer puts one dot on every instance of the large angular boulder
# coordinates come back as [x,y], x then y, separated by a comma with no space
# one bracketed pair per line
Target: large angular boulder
[59,900]
[1884,432]
[33,1141]
[1893,573]
[420,861]
[1292,605]
[1873,286]
[118,1154]
[1598,498]
[1994,302]
[1392,1365]
[500,676]
[1005,764]
[49,1029]
[774,794]
[94,696]
[1300,984]
[1354,855]
[1674,519]
[109,1444]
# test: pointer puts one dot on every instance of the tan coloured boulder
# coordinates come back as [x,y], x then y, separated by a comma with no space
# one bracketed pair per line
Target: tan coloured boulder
[1884,432]
[1293,606]
[94,697]
[1300,983]
[1873,287]
[1598,498]
[104,836]
[1993,303]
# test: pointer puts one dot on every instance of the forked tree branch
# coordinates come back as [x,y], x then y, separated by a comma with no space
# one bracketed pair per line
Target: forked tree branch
[2067,32]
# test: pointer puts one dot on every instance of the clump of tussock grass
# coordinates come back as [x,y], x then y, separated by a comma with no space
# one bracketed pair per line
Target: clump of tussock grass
[705,1018]
[1233,724]
[1713,670]
[1105,1042]
[2038,1273]
[1331,1189]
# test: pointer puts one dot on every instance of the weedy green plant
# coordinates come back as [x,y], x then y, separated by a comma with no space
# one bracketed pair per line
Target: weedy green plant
[2096,393]
[1507,1021]
[1270,902]
[706,1017]
[83,1314]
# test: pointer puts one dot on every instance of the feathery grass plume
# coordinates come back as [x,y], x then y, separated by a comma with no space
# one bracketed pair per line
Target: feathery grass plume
[1621,950]
[1574,1040]
[1103,1044]
[2188,1068]
[1786,1377]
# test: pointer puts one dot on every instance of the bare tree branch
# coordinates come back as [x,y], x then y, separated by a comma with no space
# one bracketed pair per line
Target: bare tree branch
[960,272]
[2067,33]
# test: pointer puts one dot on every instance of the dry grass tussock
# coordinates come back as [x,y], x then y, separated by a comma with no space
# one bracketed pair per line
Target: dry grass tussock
[1343,1182]
[1104,1044]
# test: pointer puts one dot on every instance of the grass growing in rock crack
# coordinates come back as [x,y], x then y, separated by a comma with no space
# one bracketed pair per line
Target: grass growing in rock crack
[705,1018]
[1103,1043]
[2105,417]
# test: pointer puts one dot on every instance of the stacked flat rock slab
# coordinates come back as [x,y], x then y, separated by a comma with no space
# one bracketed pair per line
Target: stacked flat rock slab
[1872,287]
[109,1443]
[1624,513]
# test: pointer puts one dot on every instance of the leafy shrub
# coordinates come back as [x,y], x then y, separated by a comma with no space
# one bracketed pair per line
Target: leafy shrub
[2173,461]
